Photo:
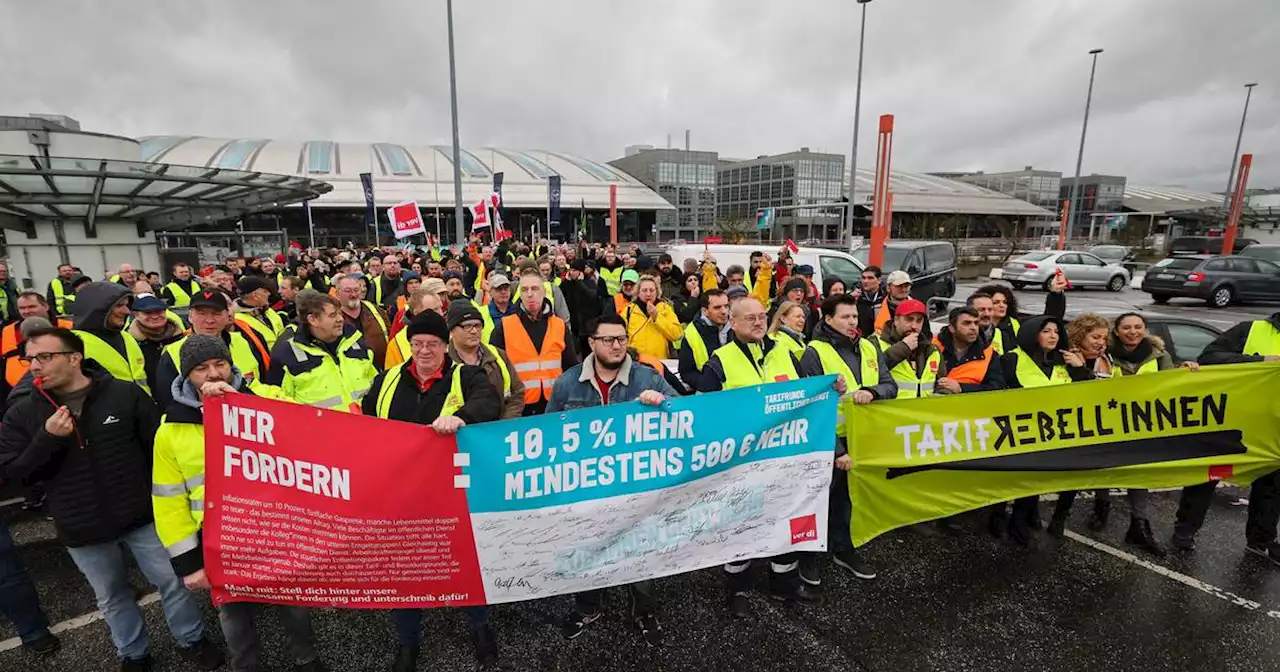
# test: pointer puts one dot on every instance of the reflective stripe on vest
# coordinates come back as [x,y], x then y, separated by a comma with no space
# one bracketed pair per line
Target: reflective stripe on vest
[739,371]
[391,382]
[910,385]
[334,385]
[832,362]
[1263,339]
[537,370]
[267,329]
[697,346]
[131,367]
[1030,375]
[612,279]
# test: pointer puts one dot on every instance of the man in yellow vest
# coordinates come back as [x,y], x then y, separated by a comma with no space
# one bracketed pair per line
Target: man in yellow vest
[610,271]
[431,389]
[210,314]
[752,358]
[911,357]
[60,294]
[467,345]
[1251,341]
[253,309]
[177,498]
[704,335]
[325,363]
[101,310]
[837,347]
[420,301]
[183,286]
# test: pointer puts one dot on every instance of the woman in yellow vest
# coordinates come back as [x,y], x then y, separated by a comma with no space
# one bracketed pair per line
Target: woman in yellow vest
[1041,360]
[651,321]
[787,327]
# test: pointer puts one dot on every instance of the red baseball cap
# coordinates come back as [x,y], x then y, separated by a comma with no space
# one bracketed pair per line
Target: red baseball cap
[910,307]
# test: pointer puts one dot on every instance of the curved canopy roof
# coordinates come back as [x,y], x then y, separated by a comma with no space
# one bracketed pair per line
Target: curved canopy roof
[918,192]
[154,195]
[413,172]
[1159,200]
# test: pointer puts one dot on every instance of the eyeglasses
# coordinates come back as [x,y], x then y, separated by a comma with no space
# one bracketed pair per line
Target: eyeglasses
[471,327]
[755,319]
[610,340]
[427,345]
[44,357]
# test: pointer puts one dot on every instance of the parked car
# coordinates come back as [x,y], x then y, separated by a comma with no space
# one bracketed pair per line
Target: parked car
[1185,245]
[1218,280]
[1184,338]
[826,263]
[1117,254]
[930,263]
[1263,251]
[1081,268]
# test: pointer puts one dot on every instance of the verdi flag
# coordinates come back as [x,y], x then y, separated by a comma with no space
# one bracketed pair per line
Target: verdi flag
[921,459]
[497,204]
[553,200]
[370,212]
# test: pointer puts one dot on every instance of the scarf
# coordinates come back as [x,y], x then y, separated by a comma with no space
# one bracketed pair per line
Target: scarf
[1136,356]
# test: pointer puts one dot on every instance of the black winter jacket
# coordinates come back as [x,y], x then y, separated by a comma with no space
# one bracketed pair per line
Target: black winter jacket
[483,403]
[98,484]
[1228,347]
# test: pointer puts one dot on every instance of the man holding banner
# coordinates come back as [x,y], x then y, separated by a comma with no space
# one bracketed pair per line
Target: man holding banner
[1252,341]
[752,358]
[608,375]
[838,348]
[177,496]
[430,389]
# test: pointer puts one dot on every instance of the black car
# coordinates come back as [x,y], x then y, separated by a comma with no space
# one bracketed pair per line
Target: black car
[1216,279]
[930,263]
[1112,254]
[1187,245]
[1270,253]
[1184,338]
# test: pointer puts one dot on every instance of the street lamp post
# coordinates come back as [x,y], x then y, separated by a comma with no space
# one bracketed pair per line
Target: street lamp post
[1226,195]
[1074,208]
[457,152]
[857,111]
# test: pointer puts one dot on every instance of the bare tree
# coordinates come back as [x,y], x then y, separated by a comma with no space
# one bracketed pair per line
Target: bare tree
[735,229]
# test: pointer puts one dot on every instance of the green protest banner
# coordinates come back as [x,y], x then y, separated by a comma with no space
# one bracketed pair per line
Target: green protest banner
[920,459]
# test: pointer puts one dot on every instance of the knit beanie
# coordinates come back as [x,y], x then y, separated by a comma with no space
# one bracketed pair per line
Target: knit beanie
[197,350]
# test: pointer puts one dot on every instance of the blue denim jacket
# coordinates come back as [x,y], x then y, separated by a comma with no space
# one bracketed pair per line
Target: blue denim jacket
[576,388]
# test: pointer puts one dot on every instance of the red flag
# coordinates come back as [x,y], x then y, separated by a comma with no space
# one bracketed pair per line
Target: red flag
[480,215]
[791,245]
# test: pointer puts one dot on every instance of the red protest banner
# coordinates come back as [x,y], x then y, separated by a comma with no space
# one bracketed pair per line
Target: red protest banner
[405,219]
[302,507]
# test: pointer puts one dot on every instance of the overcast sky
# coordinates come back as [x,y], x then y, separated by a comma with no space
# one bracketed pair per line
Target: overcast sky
[974,84]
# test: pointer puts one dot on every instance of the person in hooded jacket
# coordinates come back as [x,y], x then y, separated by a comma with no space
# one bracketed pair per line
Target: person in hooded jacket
[101,310]
[1042,359]
[1248,341]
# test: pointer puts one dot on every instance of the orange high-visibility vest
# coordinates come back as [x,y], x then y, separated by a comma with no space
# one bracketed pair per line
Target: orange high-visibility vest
[973,372]
[15,368]
[883,316]
[537,370]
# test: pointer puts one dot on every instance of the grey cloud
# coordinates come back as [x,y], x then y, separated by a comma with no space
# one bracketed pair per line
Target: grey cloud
[992,84]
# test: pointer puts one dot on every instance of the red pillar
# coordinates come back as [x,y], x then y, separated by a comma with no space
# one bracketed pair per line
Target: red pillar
[1237,204]
[613,215]
[1062,226]
[882,208]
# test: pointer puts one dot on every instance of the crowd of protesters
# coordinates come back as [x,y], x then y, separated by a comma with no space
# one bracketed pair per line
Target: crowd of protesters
[105,379]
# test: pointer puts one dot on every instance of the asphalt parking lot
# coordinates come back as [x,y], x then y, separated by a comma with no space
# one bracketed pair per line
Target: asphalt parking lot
[942,602]
[961,601]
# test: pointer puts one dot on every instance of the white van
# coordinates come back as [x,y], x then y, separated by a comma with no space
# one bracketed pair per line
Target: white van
[826,263]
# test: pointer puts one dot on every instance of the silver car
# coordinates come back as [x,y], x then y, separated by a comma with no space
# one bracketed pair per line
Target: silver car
[1081,268]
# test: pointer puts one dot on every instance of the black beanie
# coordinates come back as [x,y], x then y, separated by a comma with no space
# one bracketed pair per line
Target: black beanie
[428,322]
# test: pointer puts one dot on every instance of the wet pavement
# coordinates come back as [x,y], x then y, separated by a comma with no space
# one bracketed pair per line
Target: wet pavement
[944,602]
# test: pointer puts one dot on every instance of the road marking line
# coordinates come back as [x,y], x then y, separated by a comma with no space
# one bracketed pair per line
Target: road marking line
[1176,576]
[11,502]
[77,622]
